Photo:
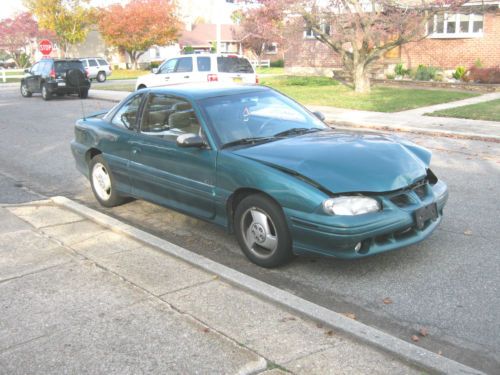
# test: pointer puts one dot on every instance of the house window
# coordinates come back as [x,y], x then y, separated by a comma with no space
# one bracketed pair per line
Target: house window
[456,25]
[310,34]
[271,48]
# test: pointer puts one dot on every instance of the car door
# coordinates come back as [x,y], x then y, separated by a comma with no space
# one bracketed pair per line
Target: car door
[164,75]
[179,177]
[115,140]
[33,78]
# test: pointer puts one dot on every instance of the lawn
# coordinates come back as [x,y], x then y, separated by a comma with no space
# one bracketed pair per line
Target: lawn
[480,111]
[328,92]
[262,70]
[115,87]
[127,74]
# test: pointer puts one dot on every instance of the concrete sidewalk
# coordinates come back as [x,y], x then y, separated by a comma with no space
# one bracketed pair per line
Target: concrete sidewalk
[78,297]
[412,121]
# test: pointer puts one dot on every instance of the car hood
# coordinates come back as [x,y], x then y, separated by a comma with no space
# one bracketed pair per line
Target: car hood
[343,162]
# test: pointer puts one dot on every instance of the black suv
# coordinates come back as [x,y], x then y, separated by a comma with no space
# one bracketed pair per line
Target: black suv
[56,76]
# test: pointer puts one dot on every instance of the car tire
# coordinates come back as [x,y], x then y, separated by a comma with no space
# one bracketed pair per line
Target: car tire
[103,183]
[84,93]
[262,231]
[101,77]
[46,95]
[24,91]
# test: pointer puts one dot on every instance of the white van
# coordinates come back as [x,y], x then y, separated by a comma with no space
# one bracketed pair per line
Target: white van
[199,68]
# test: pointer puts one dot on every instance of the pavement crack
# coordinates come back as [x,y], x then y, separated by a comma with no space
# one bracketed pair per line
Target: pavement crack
[19,344]
[34,272]
[215,278]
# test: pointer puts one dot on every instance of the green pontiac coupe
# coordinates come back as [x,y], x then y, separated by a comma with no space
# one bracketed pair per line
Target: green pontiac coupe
[261,165]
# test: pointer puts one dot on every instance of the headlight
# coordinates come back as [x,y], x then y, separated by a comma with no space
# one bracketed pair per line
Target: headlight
[350,206]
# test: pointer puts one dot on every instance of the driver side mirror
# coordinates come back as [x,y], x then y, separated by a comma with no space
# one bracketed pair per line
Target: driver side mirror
[190,140]
[154,70]
[319,115]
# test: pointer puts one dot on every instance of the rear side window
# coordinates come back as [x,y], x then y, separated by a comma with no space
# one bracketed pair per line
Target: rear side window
[64,66]
[92,62]
[102,62]
[204,64]
[234,65]
[185,64]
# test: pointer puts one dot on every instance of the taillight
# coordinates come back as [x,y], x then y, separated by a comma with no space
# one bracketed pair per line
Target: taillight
[53,73]
[256,78]
[87,72]
[212,78]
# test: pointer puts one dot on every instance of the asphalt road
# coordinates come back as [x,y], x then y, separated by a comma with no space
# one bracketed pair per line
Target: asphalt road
[449,284]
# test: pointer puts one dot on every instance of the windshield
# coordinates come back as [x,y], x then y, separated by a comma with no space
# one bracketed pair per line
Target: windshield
[257,115]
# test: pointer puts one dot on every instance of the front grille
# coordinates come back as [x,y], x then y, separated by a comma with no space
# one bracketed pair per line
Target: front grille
[415,193]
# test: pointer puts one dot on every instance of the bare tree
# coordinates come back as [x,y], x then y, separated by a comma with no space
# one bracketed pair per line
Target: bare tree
[360,32]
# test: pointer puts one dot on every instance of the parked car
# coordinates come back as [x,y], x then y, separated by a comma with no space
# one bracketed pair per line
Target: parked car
[199,69]
[261,165]
[97,68]
[56,76]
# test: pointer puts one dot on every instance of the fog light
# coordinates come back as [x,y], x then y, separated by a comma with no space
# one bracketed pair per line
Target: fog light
[357,247]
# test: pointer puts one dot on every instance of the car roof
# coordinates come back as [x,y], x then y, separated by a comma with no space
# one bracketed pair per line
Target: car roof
[208,90]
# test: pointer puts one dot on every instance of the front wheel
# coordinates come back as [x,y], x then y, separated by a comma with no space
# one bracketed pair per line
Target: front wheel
[262,231]
[103,183]
[24,90]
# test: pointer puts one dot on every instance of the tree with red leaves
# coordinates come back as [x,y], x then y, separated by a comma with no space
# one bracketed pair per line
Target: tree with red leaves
[261,26]
[360,32]
[16,34]
[139,25]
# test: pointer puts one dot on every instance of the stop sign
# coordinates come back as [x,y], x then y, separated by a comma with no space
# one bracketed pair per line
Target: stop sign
[45,47]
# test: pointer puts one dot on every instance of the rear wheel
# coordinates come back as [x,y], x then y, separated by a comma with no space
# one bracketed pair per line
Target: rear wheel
[101,77]
[262,231]
[24,90]
[45,92]
[103,183]
[84,93]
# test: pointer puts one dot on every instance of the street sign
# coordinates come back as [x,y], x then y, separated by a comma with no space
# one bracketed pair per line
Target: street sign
[45,47]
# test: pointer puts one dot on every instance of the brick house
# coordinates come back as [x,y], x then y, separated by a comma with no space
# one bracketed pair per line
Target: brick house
[458,39]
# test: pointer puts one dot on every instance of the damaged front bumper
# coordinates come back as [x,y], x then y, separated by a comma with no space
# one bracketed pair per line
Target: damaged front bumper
[407,217]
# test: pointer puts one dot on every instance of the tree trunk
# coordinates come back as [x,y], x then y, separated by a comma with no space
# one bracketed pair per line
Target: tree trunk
[361,79]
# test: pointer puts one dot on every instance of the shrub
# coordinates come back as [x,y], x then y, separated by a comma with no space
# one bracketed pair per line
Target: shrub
[390,76]
[154,64]
[188,50]
[425,73]
[400,71]
[483,75]
[277,64]
[459,72]
[478,63]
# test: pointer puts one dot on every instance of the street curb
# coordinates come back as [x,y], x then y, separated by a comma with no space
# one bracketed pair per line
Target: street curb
[403,129]
[403,350]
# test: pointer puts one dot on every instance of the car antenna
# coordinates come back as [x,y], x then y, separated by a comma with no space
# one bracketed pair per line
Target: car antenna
[81,101]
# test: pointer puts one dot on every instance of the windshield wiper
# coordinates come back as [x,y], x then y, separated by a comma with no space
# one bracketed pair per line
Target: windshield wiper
[246,141]
[297,131]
